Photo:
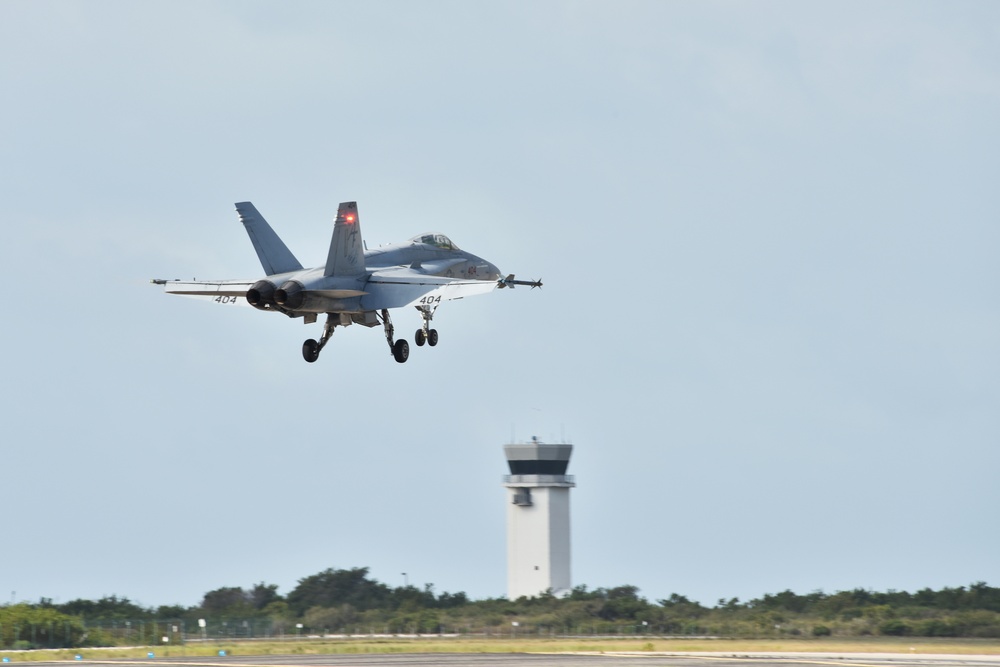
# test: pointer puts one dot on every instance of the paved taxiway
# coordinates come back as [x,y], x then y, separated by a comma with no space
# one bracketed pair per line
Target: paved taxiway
[564,660]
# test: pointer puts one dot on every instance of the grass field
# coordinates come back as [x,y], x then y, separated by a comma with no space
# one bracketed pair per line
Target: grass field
[524,645]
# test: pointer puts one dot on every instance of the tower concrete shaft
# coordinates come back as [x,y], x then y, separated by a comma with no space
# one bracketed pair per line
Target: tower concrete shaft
[538,526]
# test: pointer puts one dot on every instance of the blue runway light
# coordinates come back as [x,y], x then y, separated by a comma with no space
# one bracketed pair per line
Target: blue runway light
[222,654]
[150,655]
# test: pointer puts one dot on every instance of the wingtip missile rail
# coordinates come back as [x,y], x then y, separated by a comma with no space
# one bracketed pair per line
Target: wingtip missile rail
[510,282]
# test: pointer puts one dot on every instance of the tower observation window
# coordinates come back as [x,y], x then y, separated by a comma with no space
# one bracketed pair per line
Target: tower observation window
[538,467]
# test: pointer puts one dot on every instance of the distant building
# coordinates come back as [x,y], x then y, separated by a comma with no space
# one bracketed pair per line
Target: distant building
[538,547]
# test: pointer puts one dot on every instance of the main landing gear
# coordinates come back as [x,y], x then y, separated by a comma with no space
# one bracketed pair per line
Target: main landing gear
[400,348]
[312,348]
[426,334]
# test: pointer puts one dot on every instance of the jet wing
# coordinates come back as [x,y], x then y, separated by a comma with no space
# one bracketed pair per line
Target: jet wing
[220,291]
[399,287]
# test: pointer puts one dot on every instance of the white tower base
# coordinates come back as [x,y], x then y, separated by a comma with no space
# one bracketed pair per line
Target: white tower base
[538,528]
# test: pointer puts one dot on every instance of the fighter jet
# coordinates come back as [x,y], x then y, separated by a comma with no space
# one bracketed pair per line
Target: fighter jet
[357,285]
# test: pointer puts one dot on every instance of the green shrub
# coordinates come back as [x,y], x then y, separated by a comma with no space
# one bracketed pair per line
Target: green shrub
[895,628]
[936,628]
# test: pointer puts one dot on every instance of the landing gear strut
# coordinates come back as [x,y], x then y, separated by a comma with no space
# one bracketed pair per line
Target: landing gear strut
[425,334]
[312,348]
[400,348]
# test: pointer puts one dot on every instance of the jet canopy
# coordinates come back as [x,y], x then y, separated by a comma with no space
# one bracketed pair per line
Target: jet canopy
[436,240]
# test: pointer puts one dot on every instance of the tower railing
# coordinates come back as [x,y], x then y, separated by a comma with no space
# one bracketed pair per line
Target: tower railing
[538,479]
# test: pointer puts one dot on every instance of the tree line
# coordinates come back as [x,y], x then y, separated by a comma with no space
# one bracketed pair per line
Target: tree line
[349,601]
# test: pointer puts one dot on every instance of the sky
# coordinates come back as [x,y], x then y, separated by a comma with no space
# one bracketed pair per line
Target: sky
[768,234]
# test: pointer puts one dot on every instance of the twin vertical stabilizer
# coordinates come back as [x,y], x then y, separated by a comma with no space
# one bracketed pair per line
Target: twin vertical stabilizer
[274,255]
[347,252]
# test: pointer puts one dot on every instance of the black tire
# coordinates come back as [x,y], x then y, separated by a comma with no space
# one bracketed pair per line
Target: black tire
[420,337]
[432,337]
[401,350]
[310,350]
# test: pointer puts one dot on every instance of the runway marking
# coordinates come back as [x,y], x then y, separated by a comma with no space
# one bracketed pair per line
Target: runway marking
[772,658]
[169,661]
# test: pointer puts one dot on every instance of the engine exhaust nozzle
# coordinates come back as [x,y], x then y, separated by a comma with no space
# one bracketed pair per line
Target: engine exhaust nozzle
[290,295]
[261,294]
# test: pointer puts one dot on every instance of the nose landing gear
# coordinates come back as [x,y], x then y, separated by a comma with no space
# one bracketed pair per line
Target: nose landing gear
[426,334]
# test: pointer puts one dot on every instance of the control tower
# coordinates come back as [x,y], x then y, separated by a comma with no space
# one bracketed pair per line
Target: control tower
[538,550]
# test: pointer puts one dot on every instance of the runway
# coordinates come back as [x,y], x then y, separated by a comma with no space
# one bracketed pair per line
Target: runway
[623,659]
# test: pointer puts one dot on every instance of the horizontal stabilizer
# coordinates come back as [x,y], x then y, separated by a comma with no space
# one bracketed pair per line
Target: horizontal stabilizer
[220,291]
[274,255]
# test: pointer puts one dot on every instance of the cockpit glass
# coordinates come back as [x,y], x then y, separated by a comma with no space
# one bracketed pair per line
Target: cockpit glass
[436,240]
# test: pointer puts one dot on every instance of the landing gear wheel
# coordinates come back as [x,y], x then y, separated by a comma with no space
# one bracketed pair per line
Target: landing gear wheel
[401,350]
[420,337]
[432,337]
[310,350]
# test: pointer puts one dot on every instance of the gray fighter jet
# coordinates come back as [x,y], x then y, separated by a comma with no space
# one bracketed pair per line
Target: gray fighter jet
[357,286]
